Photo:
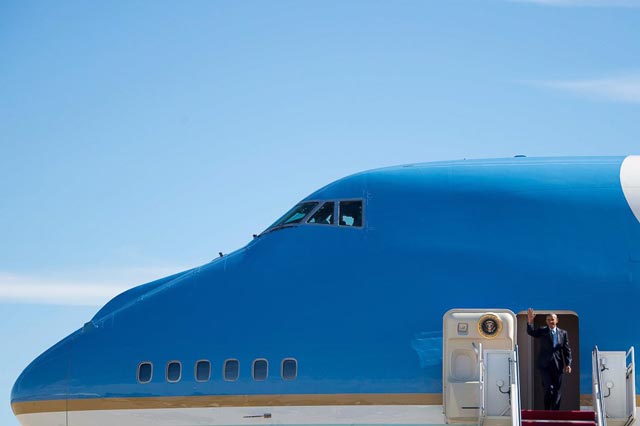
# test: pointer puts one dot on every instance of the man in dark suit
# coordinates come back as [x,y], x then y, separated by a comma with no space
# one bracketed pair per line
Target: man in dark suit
[554,357]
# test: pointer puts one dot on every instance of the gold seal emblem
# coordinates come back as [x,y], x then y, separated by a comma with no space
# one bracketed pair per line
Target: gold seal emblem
[489,326]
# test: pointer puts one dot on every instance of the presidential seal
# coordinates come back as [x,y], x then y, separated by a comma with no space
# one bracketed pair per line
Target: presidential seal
[489,326]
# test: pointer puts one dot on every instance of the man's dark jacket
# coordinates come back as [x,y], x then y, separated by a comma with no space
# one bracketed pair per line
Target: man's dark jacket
[559,356]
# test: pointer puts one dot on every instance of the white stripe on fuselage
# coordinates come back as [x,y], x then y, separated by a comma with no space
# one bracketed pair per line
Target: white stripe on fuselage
[630,181]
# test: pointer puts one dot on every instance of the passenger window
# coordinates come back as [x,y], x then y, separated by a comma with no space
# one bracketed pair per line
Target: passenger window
[260,369]
[231,370]
[295,215]
[145,372]
[174,371]
[351,213]
[203,371]
[324,215]
[289,369]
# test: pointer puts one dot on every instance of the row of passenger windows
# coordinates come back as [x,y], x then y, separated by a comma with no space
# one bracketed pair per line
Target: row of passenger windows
[230,370]
[349,213]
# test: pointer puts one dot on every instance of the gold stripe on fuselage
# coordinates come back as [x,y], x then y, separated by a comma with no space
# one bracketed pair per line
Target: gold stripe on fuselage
[586,400]
[31,407]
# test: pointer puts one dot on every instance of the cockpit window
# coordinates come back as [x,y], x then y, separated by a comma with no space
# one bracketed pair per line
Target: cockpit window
[296,214]
[350,213]
[324,215]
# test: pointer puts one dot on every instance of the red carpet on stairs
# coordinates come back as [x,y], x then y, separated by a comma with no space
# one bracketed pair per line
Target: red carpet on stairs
[558,418]
[556,423]
[558,415]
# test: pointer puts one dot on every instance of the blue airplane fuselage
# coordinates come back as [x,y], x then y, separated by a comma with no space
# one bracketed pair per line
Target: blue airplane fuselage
[360,308]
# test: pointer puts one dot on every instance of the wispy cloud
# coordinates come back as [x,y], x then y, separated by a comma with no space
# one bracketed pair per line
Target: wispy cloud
[584,3]
[100,286]
[621,88]
[40,291]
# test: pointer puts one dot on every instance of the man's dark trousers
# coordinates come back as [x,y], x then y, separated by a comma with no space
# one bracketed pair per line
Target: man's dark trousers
[551,362]
[551,382]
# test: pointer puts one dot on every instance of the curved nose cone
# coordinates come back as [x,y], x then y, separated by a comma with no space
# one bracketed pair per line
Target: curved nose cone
[41,389]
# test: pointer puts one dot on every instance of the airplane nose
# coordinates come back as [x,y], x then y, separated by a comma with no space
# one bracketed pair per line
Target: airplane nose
[43,385]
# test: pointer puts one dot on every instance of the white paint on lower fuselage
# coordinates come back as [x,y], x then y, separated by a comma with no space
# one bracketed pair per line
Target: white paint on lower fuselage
[227,416]
[43,419]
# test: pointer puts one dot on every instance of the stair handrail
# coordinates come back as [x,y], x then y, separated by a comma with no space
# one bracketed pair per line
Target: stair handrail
[514,376]
[631,387]
[481,409]
[598,399]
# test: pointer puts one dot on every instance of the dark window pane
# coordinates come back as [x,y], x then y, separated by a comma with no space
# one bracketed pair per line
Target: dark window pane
[260,369]
[203,371]
[174,370]
[289,369]
[231,369]
[351,213]
[324,215]
[144,372]
[295,215]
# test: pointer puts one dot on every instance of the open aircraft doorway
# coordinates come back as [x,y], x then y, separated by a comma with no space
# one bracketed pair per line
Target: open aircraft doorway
[531,391]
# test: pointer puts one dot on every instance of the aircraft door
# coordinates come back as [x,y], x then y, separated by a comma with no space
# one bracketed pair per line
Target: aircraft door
[478,346]
[531,389]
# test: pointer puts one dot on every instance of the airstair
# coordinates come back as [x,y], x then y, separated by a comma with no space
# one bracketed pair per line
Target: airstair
[500,403]
[487,391]
[614,399]
[614,385]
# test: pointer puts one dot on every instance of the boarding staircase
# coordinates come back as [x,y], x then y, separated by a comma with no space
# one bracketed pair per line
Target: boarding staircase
[614,399]
[500,402]
[614,387]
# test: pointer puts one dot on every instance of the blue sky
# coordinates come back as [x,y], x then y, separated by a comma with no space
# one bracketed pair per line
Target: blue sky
[140,138]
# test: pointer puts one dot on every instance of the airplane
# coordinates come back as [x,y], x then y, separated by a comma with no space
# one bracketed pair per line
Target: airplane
[391,296]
